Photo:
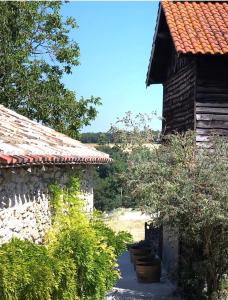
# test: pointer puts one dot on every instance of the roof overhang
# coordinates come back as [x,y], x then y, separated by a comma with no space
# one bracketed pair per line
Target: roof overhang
[161,47]
[189,27]
[10,161]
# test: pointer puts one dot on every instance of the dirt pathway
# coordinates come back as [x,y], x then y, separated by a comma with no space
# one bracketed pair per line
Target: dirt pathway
[128,288]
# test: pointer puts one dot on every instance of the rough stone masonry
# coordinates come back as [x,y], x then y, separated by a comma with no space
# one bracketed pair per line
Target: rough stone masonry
[24,198]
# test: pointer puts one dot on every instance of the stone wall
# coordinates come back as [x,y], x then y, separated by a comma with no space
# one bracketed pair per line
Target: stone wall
[24,206]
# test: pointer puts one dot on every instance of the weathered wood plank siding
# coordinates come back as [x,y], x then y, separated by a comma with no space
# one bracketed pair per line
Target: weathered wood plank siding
[178,100]
[211,97]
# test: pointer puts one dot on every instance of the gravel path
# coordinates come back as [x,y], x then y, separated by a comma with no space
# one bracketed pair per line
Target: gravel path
[128,288]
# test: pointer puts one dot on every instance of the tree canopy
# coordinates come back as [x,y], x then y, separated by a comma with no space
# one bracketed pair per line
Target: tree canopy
[109,192]
[96,138]
[35,53]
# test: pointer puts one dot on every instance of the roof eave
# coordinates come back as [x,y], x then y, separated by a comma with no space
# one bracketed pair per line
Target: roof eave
[148,79]
[10,161]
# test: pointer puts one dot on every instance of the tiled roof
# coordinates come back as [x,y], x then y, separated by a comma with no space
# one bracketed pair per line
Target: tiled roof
[23,141]
[198,27]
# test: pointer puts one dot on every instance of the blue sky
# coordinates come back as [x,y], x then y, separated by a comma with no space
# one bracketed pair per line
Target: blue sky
[115,41]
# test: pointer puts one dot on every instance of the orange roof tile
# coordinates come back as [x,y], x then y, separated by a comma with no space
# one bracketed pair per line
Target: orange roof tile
[198,27]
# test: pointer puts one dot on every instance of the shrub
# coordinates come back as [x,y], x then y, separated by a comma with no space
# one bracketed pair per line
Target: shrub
[28,272]
[185,186]
[87,241]
[77,260]
[118,241]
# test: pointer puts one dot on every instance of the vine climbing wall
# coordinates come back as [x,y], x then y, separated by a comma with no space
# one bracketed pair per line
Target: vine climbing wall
[24,198]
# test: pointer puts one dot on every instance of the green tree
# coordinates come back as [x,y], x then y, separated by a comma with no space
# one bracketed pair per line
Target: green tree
[100,138]
[185,186]
[35,53]
[109,192]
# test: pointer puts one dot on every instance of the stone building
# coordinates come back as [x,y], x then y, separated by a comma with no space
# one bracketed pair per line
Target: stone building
[32,157]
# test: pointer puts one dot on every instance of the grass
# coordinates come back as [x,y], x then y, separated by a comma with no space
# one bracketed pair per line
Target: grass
[124,219]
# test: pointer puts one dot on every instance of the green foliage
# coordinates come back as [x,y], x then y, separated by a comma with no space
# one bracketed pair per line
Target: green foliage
[96,138]
[87,241]
[109,192]
[36,52]
[29,272]
[185,185]
[134,131]
[109,187]
[104,138]
[117,241]
[95,261]
[77,261]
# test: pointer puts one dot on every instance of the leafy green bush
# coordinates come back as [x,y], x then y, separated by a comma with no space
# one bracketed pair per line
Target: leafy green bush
[185,186]
[29,272]
[188,187]
[73,235]
[118,241]
[77,261]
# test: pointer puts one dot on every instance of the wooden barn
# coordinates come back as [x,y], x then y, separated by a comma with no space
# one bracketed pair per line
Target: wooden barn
[190,58]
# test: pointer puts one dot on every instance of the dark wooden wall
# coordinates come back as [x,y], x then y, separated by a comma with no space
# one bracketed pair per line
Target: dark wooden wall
[178,96]
[211,97]
[195,95]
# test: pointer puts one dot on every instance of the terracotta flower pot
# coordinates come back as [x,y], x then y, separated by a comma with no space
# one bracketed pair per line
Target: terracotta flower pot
[149,272]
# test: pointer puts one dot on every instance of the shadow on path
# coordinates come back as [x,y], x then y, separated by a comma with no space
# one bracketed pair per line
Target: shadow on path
[128,288]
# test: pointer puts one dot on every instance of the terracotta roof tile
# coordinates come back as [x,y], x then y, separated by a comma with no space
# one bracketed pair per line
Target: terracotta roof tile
[23,141]
[198,27]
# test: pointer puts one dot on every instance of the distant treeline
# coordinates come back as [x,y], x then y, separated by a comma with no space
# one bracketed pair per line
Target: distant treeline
[105,137]
[96,137]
